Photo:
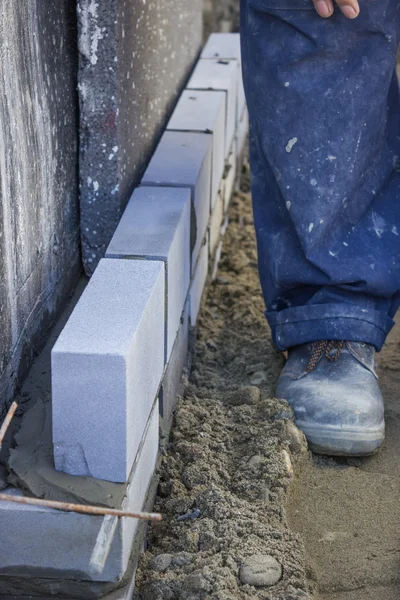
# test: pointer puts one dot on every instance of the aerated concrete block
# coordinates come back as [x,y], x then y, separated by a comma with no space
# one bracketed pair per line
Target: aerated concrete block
[226,46]
[216,221]
[198,283]
[107,366]
[183,159]
[230,176]
[156,226]
[49,543]
[219,75]
[204,112]
[222,45]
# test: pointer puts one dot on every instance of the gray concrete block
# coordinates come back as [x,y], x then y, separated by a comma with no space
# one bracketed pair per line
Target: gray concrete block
[216,221]
[135,58]
[171,383]
[222,45]
[38,542]
[156,226]
[184,160]
[107,365]
[219,75]
[204,112]
[226,46]
[198,283]
[230,175]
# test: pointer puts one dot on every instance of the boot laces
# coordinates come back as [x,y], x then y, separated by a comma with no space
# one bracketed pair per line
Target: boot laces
[330,349]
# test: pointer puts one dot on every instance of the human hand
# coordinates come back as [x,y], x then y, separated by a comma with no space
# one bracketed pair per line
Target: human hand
[349,8]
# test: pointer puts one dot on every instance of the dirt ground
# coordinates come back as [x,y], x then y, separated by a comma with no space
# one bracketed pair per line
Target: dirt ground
[229,464]
[228,492]
[348,511]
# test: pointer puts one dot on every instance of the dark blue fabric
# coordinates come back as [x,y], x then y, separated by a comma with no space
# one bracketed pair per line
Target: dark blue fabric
[324,108]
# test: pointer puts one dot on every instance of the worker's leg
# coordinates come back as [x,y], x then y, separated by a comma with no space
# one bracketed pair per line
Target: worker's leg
[325,152]
[325,148]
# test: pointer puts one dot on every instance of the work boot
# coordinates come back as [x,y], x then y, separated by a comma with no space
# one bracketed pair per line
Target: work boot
[333,390]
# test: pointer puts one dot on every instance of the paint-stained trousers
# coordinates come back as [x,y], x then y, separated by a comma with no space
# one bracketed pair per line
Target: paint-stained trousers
[324,107]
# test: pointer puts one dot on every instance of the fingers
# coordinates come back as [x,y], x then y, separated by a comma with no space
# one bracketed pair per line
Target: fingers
[350,8]
[324,8]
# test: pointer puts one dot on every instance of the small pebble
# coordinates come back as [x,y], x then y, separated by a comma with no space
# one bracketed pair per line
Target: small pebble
[260,570]
[255,460]
[298,441]
[288,463]
[162,562]
[258,378]
[183,559]
[190,516]
[246,395]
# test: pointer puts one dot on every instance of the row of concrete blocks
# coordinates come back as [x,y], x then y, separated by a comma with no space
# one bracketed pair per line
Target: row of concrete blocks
[116,366]
[108,363]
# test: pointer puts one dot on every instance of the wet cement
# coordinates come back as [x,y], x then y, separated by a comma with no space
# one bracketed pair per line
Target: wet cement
[26,459]
[348,511]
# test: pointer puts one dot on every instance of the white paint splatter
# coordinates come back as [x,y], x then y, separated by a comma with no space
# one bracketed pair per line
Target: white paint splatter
[288,204]
[379,224]
[313,182]
[289,146]
[310,227]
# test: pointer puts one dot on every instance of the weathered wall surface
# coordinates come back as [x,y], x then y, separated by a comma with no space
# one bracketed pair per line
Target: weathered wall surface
[39,238]
[134,59]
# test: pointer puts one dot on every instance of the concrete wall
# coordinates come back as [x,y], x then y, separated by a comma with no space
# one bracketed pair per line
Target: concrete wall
[134,59]
[39,239]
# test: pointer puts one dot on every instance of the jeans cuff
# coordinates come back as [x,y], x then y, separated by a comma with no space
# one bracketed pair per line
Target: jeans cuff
[305,324]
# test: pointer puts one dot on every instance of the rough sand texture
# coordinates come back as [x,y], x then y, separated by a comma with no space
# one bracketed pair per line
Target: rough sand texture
[229,461]
[348,511]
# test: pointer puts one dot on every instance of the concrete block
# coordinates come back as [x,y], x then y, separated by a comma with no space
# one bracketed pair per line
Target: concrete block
[230,176]
[37,541]
[204,112]
[216,221]
[219,75]
[222,45]
[107,366]
[171,383]
[226,46]
[156,226]
[184,160]
[198,283]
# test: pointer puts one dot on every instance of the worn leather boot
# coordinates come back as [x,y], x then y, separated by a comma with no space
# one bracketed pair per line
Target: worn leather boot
[333,390]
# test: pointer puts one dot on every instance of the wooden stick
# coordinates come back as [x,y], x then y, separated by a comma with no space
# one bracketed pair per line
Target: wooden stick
[103,544]
[81,508]
[7,421]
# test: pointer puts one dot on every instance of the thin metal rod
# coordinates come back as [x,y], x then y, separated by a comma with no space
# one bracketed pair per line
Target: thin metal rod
[7,421]
[103,544]
[81,508]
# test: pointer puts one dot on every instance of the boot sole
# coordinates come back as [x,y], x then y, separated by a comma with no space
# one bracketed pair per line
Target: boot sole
[343,442]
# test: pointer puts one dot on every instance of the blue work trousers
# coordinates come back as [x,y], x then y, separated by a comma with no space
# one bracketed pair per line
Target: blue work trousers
[324,105]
